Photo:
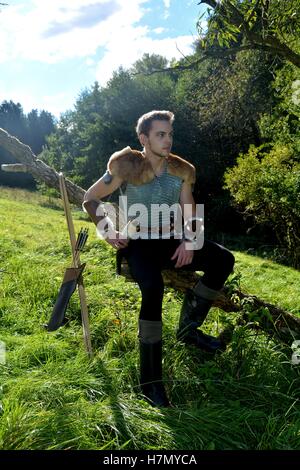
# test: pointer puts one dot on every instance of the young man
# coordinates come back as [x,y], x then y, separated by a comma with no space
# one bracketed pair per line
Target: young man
[155,176]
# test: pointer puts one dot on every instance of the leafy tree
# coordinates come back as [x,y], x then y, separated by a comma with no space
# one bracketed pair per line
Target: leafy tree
[39,125]
[282,122]
[223,101]
[265,181]
[12,119]
[269,25]
[149,63]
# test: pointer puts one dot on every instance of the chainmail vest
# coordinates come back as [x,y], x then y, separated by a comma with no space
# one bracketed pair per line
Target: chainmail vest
[163,189]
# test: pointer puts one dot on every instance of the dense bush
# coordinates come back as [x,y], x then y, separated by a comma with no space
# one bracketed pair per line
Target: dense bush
[267,185]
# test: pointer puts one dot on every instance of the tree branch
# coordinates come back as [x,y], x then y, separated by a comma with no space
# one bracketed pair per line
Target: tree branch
[212,55]
[37,167]
[231,12]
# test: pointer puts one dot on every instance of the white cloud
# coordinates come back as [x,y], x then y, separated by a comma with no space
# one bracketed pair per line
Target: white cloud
[159,30]
[90,62]
[54,103]
[53,31]
[132,48]
[85,17]
[167,4]
[57,30]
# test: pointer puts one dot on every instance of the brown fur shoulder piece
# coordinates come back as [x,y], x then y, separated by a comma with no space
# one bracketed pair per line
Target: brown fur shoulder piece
[133,167]
[177,166]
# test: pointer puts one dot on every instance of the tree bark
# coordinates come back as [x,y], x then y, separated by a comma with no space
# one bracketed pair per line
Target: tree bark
[37,167]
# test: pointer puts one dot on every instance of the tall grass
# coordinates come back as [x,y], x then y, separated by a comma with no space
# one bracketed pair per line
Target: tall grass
[54,397]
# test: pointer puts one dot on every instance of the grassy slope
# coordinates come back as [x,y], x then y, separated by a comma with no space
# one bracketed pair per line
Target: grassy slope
[53,397]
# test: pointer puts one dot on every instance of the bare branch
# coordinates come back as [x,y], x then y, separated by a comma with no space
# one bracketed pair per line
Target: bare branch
[37,167]
[211,55]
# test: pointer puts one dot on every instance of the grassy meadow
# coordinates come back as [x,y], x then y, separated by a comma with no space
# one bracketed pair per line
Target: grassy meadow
[53,396]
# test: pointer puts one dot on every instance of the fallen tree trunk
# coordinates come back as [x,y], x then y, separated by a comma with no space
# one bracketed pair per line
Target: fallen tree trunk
[260,314]
[268,317]
[39,169]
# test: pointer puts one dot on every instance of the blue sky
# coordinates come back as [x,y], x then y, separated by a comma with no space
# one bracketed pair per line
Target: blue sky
[52,49]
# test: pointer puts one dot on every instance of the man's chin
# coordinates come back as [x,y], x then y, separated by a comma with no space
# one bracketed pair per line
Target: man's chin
[163,154]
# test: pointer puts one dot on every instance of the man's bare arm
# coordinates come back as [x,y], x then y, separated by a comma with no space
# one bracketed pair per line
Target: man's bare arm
[187,201]
[188,208]
[91,202]
[96,192]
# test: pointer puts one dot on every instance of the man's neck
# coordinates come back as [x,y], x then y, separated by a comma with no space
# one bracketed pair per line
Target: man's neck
[157,161]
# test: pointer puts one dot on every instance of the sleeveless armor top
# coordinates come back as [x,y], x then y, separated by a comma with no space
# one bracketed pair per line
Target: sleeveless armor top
[164,189]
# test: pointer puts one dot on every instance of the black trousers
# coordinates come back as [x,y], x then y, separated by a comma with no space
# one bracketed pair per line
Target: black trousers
[147,258]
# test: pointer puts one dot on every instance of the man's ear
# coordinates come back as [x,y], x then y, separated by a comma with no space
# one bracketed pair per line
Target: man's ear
[143,139]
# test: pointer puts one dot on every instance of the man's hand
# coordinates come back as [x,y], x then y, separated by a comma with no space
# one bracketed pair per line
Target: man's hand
[116,242]
[183,256]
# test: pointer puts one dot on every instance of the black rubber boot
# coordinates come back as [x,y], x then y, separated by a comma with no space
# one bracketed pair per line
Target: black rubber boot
[151,374]
[193,313]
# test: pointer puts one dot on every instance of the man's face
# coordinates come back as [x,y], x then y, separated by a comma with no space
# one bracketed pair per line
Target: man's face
[160,138]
